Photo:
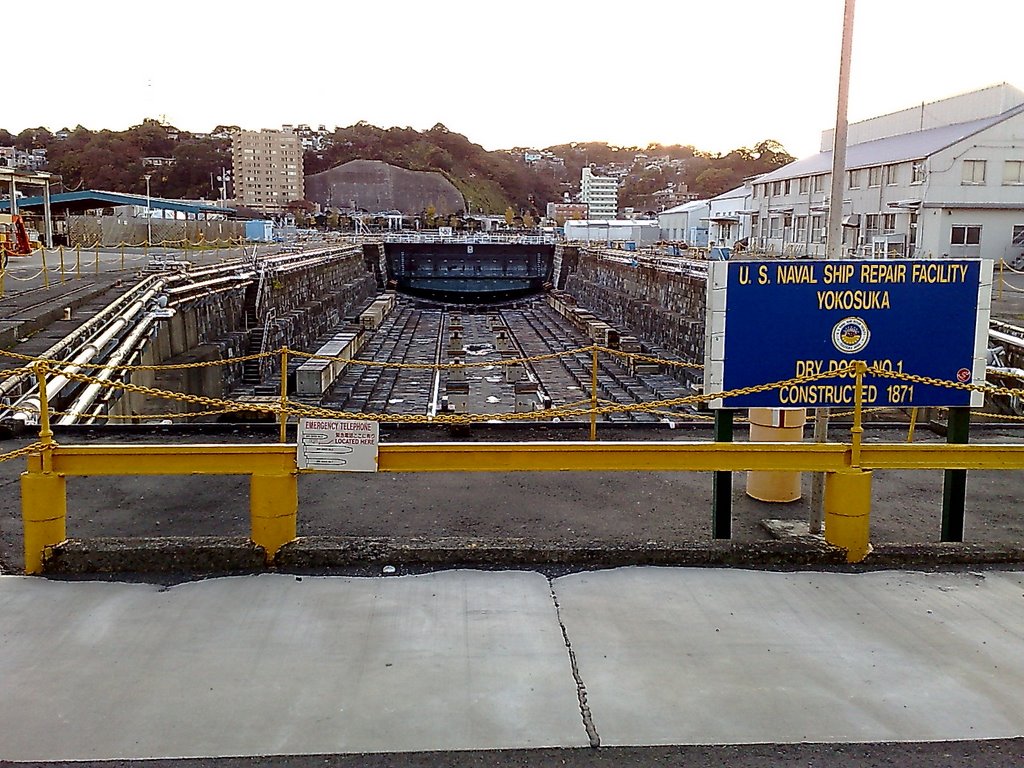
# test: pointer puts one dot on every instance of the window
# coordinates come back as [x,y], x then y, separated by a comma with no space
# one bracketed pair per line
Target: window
[776,227]
[853,179]
[818,228]
[787,186]
[875,176]
[965,234]
[889,223]
[819,183]
[764,227]
[1013,172]
[974,172]
[804,184]
[1018,236]
[872,221]
[755,191]
[776,187]
[917,173]
[892,173]
[801,229]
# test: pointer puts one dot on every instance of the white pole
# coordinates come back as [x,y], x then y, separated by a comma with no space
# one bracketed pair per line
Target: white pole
[834,241]
[149,215]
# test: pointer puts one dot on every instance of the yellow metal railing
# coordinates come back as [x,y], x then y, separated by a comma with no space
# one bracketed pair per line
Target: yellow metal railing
[273,470]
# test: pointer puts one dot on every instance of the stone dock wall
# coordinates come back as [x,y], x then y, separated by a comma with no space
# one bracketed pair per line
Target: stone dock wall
[303,306]
[660,307]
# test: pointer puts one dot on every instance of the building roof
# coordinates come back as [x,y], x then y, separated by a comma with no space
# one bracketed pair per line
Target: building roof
[693,205]
[87,199]
[739,192]
[893,149]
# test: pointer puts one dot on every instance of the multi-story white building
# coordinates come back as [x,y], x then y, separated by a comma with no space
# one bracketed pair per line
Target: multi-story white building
[600,193]
[939,179]
[267,169]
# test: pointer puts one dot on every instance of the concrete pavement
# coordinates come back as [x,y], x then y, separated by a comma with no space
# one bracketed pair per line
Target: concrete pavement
[284,664]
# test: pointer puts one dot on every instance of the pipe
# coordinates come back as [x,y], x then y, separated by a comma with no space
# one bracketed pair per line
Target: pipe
[54,352]
[88,351]
[89,394]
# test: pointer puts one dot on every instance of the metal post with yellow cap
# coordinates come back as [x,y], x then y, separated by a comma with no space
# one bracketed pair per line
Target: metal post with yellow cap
[43,493]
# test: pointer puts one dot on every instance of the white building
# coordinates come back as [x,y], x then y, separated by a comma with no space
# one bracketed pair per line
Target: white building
[686,223]
[939,179]
[640,231]
[729,215]
[601,193]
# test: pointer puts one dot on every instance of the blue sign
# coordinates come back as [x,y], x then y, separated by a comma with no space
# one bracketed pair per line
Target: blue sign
[771,321]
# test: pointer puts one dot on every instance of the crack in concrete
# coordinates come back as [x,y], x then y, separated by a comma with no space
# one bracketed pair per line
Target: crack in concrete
[581,688]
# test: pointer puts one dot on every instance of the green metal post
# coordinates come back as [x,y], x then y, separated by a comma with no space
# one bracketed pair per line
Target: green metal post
[954,481]
[721,485]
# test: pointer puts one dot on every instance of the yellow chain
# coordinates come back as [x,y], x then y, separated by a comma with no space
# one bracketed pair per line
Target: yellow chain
[173,367]
[27,450]
[648,358]
[221,406]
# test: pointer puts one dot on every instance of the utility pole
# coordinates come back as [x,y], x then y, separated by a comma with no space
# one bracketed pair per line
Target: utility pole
[149,213]
[834,240]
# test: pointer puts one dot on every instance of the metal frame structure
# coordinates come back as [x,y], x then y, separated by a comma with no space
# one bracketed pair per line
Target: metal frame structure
[13,177]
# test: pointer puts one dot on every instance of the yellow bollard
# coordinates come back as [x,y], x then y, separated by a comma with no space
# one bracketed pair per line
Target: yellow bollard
[848,512]
[273,510]
[46,272]
[61,251]
[96,250]
[122,257]
[78,260]
[43,514]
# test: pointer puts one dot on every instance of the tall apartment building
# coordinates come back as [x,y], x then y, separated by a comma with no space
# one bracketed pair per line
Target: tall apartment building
[600,193]
[267,169]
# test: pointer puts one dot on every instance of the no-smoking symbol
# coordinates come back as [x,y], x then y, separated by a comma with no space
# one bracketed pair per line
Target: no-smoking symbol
[963,375]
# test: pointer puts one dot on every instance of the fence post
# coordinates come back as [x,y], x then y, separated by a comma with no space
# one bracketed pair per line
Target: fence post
[857,431]
[954,481]
[78,260]
[61,252]
[593,392]
[721,483]
[273,510]
[96,251]
[847,502]
[284,395]
[43,493]
[46,272]
[122,256]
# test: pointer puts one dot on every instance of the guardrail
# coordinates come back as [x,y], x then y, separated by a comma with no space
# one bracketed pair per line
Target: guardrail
[273,469]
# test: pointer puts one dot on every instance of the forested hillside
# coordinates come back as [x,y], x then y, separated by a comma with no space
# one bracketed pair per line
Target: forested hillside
[491,181]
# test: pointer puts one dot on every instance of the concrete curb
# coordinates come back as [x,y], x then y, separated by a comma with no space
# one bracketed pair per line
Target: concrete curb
[207,555]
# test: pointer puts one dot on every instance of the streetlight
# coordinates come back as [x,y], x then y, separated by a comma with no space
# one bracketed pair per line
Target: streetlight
[149,216]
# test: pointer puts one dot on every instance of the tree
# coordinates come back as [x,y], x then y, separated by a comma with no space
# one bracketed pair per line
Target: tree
[528,221]
[510,216]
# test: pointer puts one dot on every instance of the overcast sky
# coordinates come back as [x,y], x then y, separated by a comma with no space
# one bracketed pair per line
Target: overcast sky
[715,73]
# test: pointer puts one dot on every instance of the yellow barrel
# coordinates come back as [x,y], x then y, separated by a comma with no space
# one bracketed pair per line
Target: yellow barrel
[775,425]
